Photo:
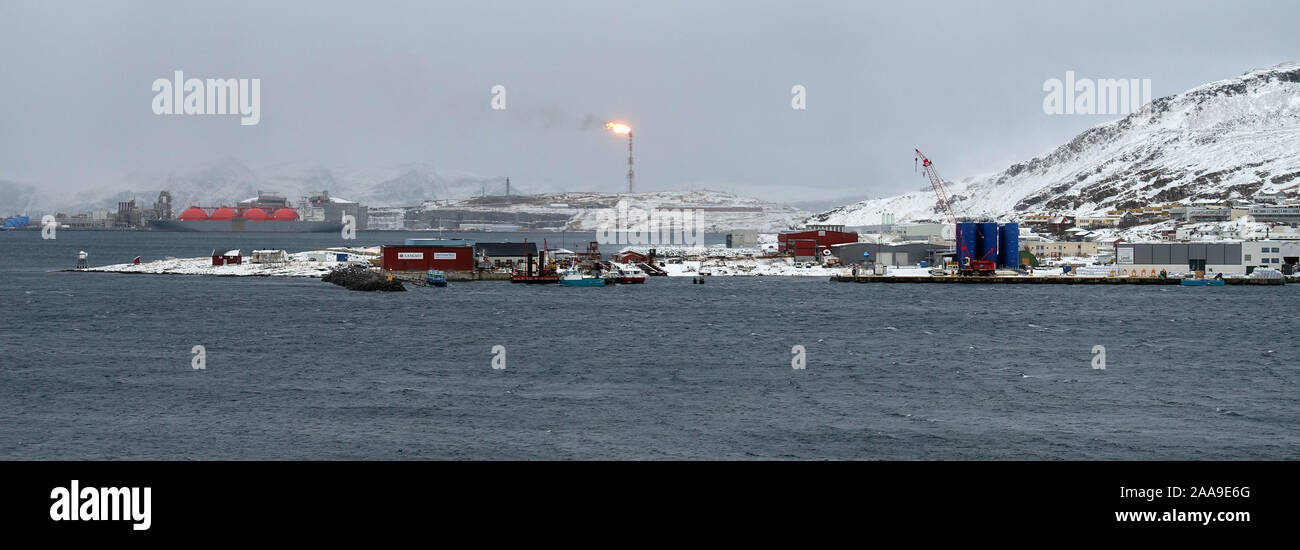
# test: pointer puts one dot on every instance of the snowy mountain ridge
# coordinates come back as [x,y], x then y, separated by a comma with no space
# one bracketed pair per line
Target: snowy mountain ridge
[1226,140]
[717,211]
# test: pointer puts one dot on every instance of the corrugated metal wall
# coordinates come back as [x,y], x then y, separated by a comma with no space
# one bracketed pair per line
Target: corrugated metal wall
[1181,253]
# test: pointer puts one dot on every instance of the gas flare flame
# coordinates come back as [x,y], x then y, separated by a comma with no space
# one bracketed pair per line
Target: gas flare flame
[618,127]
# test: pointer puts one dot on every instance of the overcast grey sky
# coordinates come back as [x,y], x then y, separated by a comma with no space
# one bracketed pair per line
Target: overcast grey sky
[705,84]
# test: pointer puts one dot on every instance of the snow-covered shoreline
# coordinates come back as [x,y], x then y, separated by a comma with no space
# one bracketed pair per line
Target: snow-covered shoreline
[299,264]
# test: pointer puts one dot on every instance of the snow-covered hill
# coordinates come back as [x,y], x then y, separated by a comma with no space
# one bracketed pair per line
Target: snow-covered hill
[1229,139]
[719,211]
[16,198]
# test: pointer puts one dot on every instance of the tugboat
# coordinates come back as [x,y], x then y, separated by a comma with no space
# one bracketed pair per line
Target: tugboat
[435,277]
[573,277]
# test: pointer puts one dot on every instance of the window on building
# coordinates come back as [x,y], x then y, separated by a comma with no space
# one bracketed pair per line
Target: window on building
[1248,257]
[1275,260]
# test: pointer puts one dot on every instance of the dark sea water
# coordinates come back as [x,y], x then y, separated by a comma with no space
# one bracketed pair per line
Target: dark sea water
[98,366]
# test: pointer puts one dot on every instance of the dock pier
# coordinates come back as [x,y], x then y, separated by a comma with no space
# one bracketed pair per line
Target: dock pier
[1053,280]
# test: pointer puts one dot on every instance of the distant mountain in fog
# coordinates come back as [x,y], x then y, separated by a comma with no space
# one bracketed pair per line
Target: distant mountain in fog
[229,181]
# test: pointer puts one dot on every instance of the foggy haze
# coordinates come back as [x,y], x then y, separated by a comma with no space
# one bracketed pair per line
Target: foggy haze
[706,86]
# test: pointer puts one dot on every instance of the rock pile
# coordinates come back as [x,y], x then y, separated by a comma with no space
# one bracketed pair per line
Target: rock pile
[355,277]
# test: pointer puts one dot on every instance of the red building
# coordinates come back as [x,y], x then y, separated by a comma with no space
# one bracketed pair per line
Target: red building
[222,256]
[631,257]
[813,240]
[422,258]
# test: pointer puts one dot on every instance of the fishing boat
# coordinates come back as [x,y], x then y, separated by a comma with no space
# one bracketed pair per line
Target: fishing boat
[1202,282]
[435,277]
[573,277]
[626,274]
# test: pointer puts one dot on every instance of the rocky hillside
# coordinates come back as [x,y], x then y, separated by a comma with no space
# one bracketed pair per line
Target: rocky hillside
[1229,139]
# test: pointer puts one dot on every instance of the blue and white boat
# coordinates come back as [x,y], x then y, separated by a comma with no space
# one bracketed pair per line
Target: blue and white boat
[435,277]
[573,277]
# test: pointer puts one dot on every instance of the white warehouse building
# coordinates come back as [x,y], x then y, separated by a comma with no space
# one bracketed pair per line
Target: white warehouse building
[1240,257]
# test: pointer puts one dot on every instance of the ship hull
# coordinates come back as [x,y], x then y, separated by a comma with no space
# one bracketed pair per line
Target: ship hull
[245,226]
[586,281]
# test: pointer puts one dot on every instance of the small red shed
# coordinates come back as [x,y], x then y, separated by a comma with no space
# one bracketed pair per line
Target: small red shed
[222,256]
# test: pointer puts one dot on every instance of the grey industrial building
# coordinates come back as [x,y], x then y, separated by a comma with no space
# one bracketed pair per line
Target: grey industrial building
[742,238]
[1275,214]
[891,254]
[504,254]
[1214,257]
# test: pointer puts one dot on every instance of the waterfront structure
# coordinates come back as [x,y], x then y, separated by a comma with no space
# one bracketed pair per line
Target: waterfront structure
[895,255]
[742,238]
[449,258]
[503,254]
[1211,257]
[808,243]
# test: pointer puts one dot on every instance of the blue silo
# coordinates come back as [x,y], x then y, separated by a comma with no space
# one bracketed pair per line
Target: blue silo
[1009,245]
[965,242]
[986,241]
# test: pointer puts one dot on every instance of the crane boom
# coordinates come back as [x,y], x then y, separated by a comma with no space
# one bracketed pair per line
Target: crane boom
[940,190]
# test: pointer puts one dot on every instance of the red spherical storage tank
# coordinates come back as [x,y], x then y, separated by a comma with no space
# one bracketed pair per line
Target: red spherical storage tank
[223,213]
[193,213]
[256,214]
[284,215]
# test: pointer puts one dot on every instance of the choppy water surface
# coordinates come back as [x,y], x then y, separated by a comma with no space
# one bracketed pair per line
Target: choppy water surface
[98,366]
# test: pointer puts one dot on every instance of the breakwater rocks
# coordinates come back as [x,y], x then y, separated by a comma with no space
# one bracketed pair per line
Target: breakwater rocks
[355,277]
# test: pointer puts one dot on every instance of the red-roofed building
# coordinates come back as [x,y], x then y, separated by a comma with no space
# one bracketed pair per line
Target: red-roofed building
[813,239]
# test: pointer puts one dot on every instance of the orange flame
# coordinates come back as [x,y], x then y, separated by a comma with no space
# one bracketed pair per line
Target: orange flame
[618,127]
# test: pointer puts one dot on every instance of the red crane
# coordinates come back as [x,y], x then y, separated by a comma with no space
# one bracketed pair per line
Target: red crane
[940,190]
[969,266]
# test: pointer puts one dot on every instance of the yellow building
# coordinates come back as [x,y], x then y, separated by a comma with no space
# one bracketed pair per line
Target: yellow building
[1049,249]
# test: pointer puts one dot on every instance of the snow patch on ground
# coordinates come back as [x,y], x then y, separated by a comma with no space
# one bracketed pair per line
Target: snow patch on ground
[723,267]
[299,265]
